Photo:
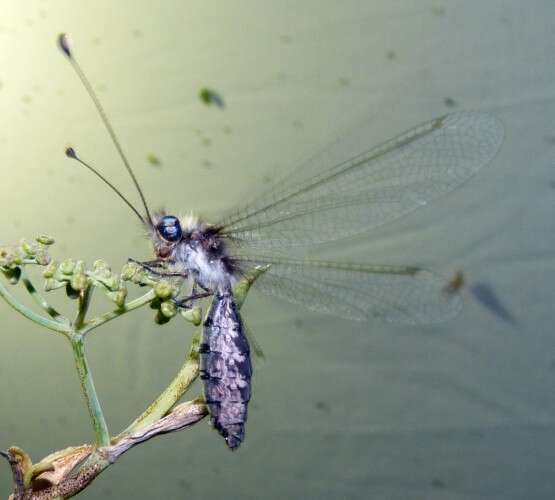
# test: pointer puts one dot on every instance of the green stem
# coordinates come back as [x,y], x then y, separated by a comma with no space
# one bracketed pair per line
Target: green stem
[172,394]
[89,391]
[33,316]
[40,300]
[130,306]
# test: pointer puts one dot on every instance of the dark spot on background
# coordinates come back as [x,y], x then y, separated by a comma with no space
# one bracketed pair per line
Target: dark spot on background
[183,483]
[206,141]
[226,130]
[391,55]
[550,139]
[153,160]
[322,406]
[297,124]
[438,484]
[343,81]
[211,98]
[285,39]
[449,102]
[207,164]
[27,99]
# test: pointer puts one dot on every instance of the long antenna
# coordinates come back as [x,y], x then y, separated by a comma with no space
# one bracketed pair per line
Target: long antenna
[70,153]
[63,42]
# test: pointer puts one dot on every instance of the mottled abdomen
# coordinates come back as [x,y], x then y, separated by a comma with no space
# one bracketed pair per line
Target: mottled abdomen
[225,368]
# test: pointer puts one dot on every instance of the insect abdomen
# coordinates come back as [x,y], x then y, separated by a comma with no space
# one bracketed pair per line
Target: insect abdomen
[225,368]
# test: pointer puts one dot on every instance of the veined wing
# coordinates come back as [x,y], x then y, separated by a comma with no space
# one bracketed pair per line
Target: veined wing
[323,204]
[399,294]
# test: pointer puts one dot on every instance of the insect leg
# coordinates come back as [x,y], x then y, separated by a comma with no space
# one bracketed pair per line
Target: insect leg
[186,302]
[150,265]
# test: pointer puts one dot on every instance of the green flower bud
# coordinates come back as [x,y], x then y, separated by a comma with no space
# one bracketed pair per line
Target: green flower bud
[193,315]
[79,267]
[42,258]
[100,264]
[164,289]
[119,297]
[168,309]
[50,269]
[28,248]
[67,266]
[79,281]
[45,240]
[128,271]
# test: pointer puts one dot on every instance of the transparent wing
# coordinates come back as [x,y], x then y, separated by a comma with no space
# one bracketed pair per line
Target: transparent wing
[318,204]
[397,294]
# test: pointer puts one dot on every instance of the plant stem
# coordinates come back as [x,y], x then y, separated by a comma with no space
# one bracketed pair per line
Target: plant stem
[33,316]
[172,394]
[40,300]
[130,306]
[89,391]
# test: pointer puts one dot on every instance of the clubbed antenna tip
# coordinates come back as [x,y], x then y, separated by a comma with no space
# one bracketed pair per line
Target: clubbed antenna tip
[70,153]
[64,44]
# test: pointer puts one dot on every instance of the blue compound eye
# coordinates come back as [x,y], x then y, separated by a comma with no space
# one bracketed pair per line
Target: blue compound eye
[169,228]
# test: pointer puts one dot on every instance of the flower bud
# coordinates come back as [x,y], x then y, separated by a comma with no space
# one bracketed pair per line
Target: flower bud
[168,308]
[118,297]
[45,240]
[79,281]
[42,258]
[67,266]
[163,289]
[193,315]
[50,269]
[128,271]
[27,248]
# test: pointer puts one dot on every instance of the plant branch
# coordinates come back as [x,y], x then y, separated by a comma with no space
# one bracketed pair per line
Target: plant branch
[183,415]
[173,393]
[40,300]
[51,324]
[116,313]
[87,384]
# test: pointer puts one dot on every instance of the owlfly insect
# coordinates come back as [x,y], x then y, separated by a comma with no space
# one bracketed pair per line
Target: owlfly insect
[313,205]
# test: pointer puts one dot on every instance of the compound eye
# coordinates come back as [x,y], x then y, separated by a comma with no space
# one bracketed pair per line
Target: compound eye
[169,228]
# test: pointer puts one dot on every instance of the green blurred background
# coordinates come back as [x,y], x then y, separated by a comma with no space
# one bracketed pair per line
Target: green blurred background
[463,410]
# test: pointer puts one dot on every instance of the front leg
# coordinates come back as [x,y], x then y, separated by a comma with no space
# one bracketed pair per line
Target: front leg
[150,265]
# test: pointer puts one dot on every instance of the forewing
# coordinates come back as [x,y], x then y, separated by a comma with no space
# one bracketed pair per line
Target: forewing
[320,203]
[398,294]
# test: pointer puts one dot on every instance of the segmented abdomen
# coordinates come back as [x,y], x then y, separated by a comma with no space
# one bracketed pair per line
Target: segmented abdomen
[225,368]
